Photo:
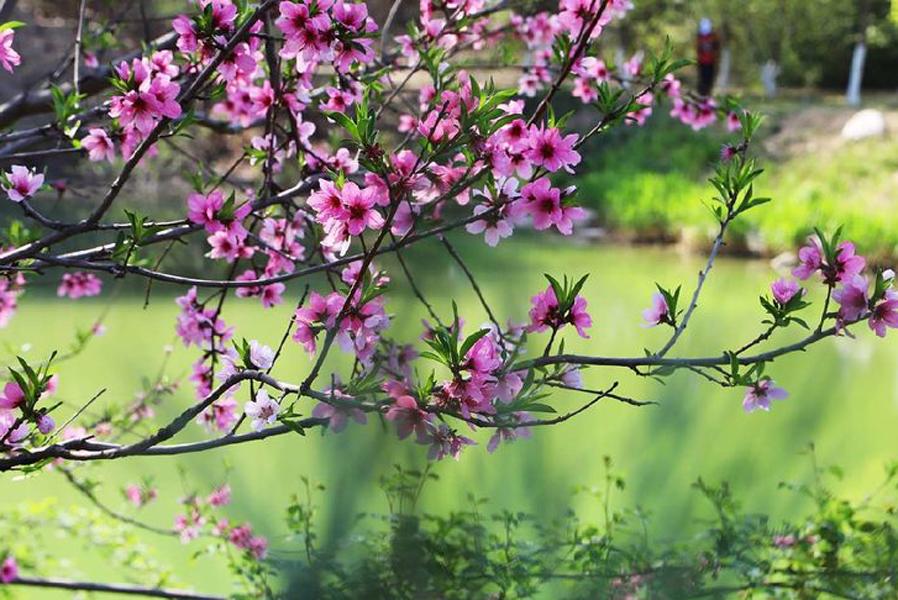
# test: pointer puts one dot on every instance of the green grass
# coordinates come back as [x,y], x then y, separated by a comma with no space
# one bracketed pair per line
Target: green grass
[651,184]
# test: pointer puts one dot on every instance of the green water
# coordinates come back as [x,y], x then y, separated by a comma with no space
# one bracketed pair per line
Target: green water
[844,398]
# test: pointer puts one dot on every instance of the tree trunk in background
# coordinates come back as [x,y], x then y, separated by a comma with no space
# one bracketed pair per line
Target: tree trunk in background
[769,72]
[726,63]
[856,76]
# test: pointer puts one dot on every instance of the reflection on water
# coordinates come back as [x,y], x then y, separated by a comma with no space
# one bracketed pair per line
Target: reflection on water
[844,397]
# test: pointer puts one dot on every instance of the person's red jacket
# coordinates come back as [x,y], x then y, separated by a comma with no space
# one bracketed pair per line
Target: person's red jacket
[707,48]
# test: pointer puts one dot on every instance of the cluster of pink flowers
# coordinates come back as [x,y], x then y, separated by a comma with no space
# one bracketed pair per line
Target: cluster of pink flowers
[337,411]
[79,284]
[347,211]
[358,330]
[15,418]
[227,237]
[843,272]
[200,325]
[199,514]
[540,31]
[140,494]
[149,94]
[547,313]
[336,32]
[697,114]
[22,183]
[478,383]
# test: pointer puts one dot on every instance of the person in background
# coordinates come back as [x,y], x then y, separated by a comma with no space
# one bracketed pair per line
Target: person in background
[707,46]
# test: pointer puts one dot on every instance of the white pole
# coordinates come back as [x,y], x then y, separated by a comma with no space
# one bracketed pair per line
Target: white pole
[853,95]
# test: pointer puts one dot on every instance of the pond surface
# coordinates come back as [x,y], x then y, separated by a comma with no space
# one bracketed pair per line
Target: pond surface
[844,398]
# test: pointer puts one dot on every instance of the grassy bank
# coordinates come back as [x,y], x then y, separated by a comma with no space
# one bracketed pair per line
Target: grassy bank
[649,184]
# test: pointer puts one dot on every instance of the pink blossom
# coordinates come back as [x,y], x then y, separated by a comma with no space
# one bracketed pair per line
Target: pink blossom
[546,313]
[45,424]
[12,396]
[784,541]
[543,202]
[810,257]
[319,311]
[261,355]
[409,418]
[22,183]
[852,299]
[79,284]
[9,58]
[9,569]
[659,312]
[220,496]
[511,433]
[262,411]
[338,415]
[733,123]
[548,149]
[446,442]
[187,40]
[848,264]
[784,290]
[885,313]
[359,207]
[759,395]
[98,145]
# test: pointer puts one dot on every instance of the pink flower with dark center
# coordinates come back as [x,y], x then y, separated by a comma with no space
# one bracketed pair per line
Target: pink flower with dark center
[543,202]
[446,442]
[848,264]
[852,299]
[262,411]
[359,206]
[545,313]
[784,290]
[9,569]
[885,313]
[79,285]
[733,123]
[187,40]
[22,183]
[410,418]
[98,145]
[12,396]
[551,151]
[319,311]
[658,313]
[759,395]
[135,110]
[202,209]
[9,58]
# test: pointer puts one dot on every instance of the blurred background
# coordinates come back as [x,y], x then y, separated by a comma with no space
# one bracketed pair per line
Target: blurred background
[831,154]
